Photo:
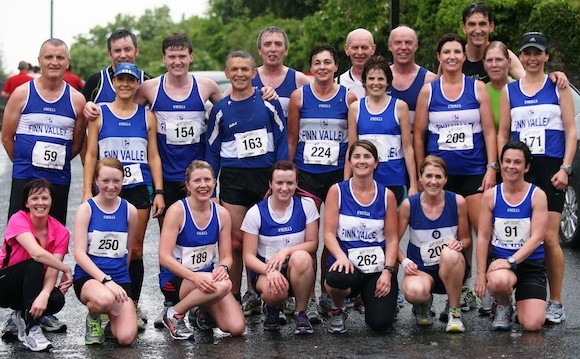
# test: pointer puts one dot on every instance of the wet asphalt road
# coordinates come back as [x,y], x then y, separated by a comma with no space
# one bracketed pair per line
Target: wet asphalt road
[405,340]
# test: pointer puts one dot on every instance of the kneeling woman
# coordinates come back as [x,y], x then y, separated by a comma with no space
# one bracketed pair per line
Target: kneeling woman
[514,216]
[192,229]
[103,230]
[435,262]
[360,231]
[280,237]
[32,253]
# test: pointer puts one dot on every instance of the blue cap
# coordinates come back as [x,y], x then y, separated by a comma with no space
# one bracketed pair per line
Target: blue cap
[127,68]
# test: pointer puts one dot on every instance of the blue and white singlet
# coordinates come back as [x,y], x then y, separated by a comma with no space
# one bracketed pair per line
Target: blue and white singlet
[44,136]
[511,225]
[126,140]
[384,131]
[323,132]
[181,128]
[107,242]
[196,247]
[428,237]
[537,119]
[454,129]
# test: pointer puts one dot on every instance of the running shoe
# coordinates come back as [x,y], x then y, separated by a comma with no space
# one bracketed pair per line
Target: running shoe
[503,317]
[282,320]
[313,312]
[423,313]
[288,306]
[468,299]
[203,320]
[50,323]
[325,304]
[35,340]
[336,322]
[272,321]
[444,315]
[555,312]
[20,324]
[303,325]
[177,327]
[454,324]
[158,322]
[10,330]
[93,331]
[251,303]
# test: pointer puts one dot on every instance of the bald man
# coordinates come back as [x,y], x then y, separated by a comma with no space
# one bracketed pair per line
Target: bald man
[408,77]
[359,46]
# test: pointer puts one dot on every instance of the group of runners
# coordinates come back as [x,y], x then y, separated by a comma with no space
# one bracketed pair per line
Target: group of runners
[386,148]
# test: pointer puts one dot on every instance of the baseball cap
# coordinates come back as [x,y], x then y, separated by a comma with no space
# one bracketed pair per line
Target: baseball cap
[534,39]
[127,68]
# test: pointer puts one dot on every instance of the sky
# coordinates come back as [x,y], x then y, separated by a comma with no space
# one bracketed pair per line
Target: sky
[25,24]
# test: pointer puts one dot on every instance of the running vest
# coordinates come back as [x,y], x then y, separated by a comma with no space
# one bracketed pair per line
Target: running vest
[511,225]
[44,136]
[107,241]
[126,140]
[454,130]
[384,131]
[537,119]
[196,247]
[322,136]
[411,94]
[284,90]
[360,229]
[181,128]
[106,93]
[428,237]
[273,235]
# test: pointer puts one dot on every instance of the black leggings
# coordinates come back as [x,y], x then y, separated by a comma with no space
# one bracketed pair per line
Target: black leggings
[379,312]
[21,283]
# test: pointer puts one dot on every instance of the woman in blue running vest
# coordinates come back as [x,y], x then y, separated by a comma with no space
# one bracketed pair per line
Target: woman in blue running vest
[534,110]
[104,228]
[384,120]
[513,220]
[280,237]
[128,132]
[195,256]
[435,262]
[360,232]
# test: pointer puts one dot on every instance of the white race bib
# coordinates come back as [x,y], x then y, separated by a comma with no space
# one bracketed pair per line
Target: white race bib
[535,138]
[108,244]
[132,174]
[181,132]
[431,251]
[382,145]
[252,143]
[512,231]
[367,259]
[458,137]
[48,155]
[196,258]
[321,153]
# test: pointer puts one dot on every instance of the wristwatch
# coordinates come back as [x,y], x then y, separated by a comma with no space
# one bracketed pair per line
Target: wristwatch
[107,278]
[512,261]
[390,269]
[567,168]
[493,165]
